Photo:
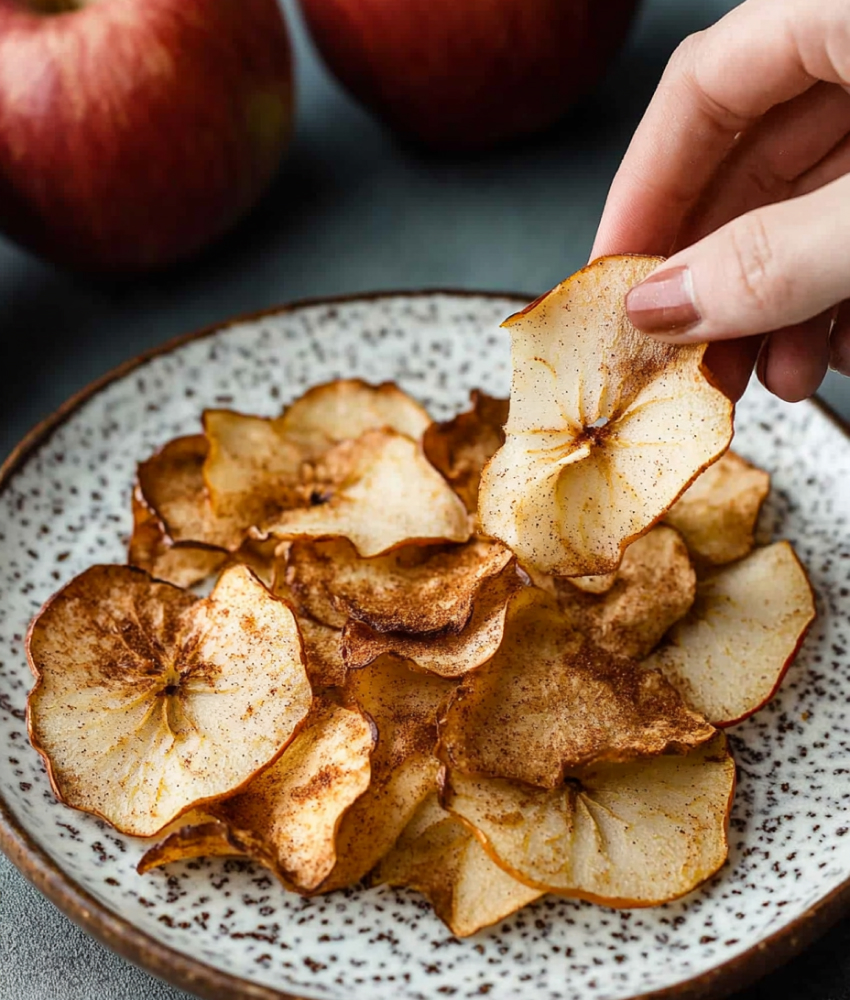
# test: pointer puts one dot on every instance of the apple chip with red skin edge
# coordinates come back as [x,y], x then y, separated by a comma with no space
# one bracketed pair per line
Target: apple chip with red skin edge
[607,426]
[438,856]
[717,515]
[461,447]
[413,589]
[404,705]
[548,702]
[379,471]
[728,656]
[655,587]
[149,701]
[254,466]
[446,653]
[626,835]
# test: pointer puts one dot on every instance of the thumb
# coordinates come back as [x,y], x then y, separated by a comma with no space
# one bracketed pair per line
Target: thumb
[771,268]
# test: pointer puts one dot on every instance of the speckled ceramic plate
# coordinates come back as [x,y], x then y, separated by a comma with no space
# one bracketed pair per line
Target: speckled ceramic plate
[225,929]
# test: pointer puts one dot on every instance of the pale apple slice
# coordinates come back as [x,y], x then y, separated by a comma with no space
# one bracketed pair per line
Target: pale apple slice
[438,856]
[416,588]
[460,448]
[345,409]
[381,471]
[623,835]
[404,706]
[254,466]
[728,656]
[549,702]
[607,426]
[149,702]
[717,515]
[594,584]
[448,654]
[287,817]
[655,587]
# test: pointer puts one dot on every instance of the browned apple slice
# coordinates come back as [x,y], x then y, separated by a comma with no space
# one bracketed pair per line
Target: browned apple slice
[438,856]
[416,588]
[379,471]
[548,702]
[607,426]
[460,448]
[149,702]
[404,706]
[655,587]
[287,817]
[254,466]
[323,648]
[717,515]
[446,653]
[625,835]
[728,656]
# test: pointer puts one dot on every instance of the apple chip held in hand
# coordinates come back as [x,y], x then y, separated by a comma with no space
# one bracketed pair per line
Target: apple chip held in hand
[635,834]
[440,857]
[149,701]
[728,656]
[548,701]
[607,426]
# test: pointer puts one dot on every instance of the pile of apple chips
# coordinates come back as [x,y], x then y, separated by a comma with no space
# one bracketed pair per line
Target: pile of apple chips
[487,659]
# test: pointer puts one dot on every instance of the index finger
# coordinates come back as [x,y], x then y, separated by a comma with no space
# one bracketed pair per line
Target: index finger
[716,85]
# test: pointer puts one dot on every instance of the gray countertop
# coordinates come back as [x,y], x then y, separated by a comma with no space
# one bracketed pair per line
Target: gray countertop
[352,211]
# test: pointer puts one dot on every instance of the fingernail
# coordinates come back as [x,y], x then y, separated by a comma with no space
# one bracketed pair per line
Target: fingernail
[664,302]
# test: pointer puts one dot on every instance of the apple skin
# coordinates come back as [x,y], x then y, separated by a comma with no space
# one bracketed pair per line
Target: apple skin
[468,73]
[134,132]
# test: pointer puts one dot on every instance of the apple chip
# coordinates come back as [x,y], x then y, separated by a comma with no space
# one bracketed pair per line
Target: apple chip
[448,654]
[416,588]
[728,656]
[323,649]
[439,857]
[209,838]
[655,587]
[594,584]
[381,471]
[346,408]
[625,835]
[460,448]
[717,515]
[149,701]
[404,706]
[607,426]
[548,702]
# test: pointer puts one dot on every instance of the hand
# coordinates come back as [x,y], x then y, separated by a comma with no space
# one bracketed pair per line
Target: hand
[740,170]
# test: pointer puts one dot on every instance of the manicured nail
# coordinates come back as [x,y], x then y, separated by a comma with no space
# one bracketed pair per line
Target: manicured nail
[664,302]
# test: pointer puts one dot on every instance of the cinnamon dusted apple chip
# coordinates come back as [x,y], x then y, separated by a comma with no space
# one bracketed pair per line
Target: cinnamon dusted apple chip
[416,588]
[635,834]
[655,587]
[438,856]
[717,515]
[149,701]
[446,653]
[460,448]
[323,649]
[595,584]
[728,656]
[404,706]
[379,471]
[607,426]
[548,702]
[286,819]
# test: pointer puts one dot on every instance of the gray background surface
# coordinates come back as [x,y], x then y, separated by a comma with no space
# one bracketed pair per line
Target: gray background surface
[352,211]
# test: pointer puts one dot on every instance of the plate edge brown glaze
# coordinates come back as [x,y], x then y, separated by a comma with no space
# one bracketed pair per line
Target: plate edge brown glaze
[205,981]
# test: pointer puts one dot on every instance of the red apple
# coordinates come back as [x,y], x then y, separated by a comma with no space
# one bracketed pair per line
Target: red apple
[133,132]
[468,73]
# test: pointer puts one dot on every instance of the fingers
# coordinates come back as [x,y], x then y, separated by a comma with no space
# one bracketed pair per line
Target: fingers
[769,269]
[839,342]
[793,361]
[730,364]
[795,148]
[716,86]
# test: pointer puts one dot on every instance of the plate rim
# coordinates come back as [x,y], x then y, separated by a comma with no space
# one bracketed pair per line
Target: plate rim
[194,976]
